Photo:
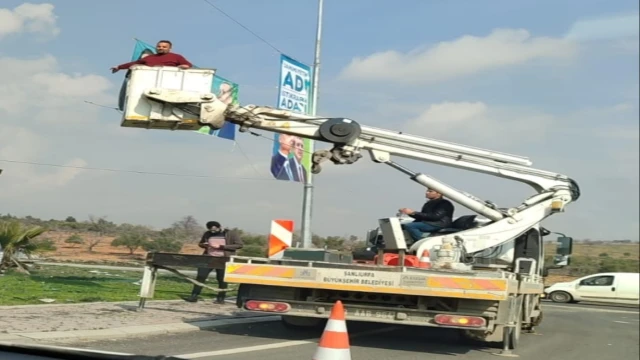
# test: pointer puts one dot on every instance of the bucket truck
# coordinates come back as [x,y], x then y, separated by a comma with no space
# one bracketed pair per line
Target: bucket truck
[486,272]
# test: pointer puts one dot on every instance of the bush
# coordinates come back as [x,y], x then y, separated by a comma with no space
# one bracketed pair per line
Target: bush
[44,245]
[74,240]
[584,265]
[163,244]
[131,241]
[253,251]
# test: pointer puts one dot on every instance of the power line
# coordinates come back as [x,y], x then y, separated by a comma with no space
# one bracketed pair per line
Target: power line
[132,171]
[244,27]
[103,106]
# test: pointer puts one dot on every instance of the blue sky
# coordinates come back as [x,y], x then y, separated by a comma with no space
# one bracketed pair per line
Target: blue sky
[558,82]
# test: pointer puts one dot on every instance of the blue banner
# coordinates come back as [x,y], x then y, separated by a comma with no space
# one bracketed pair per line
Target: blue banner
[224,89]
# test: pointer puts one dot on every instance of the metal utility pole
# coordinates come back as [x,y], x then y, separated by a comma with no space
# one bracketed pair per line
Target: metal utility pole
[307,199]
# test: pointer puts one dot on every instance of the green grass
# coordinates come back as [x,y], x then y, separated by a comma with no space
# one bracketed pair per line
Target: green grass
[78,285]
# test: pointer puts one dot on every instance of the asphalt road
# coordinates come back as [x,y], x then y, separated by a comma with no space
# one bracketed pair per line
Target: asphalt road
[568,332]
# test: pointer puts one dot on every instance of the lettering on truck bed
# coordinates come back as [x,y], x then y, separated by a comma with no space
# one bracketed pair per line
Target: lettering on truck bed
[351,277]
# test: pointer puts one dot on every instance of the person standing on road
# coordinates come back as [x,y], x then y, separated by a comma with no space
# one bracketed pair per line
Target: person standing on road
[217,242]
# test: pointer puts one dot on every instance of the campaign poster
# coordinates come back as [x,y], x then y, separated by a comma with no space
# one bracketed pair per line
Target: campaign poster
[291,156]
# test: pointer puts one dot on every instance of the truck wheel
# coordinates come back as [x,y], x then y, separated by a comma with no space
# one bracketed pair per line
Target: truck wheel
[560,297]
[298,322]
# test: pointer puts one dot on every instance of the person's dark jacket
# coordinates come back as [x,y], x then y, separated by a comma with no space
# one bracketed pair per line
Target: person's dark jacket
[437,212]
[233,242]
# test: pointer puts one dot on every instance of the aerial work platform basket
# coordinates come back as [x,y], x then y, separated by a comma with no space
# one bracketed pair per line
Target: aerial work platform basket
[170,98]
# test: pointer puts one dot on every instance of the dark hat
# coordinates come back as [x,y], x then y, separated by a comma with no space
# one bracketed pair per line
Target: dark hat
[212,223]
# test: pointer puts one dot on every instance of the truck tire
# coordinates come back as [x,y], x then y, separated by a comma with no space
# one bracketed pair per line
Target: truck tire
[560,297]
[299,322]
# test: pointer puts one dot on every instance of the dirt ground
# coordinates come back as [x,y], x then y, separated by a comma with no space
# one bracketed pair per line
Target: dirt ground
[106,254]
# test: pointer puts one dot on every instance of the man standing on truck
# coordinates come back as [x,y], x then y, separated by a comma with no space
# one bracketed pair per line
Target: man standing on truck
[436,214]
[217,242]
[162,57]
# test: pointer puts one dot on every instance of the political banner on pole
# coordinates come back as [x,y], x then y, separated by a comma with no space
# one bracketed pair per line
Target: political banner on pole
[290,157]
[224,89]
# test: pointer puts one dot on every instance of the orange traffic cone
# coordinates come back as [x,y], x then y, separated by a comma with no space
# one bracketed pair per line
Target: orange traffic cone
[334,343]
[425,260]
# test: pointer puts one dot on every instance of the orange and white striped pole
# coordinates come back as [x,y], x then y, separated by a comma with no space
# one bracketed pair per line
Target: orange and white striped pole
[280,238]
[334,343]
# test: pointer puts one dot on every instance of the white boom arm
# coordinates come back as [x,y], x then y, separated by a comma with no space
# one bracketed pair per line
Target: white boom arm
[186,109]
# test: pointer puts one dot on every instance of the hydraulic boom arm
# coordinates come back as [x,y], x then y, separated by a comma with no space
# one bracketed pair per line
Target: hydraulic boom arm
[189,110]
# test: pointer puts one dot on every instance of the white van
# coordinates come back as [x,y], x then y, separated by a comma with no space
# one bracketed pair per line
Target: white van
[618,288]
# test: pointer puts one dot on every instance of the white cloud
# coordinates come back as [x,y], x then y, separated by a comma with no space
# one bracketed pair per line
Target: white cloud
[617,26]
[34,96]
[29,18]
[22,145]
[478,123]
[464,56]
[39,84]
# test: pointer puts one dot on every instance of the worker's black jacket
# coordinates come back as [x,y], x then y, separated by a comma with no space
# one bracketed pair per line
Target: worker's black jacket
[437,212]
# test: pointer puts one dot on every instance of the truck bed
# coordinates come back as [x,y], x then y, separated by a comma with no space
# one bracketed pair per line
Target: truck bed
[480,285]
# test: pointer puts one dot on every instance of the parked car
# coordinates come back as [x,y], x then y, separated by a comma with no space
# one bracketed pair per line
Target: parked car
[616,287]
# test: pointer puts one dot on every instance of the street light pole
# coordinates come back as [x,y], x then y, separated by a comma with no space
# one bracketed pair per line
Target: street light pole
[307,199]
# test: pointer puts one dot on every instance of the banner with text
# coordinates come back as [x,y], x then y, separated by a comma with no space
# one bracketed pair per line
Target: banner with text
[226,91]
[290,159]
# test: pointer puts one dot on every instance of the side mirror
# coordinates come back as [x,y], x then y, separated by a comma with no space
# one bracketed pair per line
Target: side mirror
[561,261]
[565,246]
[563,251]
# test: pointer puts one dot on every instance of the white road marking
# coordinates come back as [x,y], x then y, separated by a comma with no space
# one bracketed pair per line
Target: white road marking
[590,309]
[279,345]
[626,318]
[621,322]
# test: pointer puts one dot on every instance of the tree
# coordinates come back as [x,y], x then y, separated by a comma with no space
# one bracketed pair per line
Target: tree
[15,238]
[252,251]
[187,229]
[334,242]
[296,239]
[163,244]
[101,227]
[137,229]
[74,239]
[131,241]
[70,219]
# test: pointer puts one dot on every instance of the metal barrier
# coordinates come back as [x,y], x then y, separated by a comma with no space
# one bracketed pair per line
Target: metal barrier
[165,261]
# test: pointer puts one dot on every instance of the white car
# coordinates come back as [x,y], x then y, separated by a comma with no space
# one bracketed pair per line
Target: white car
[617,288]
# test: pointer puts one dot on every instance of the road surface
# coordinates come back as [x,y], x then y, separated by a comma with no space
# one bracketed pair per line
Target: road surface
[568,332]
